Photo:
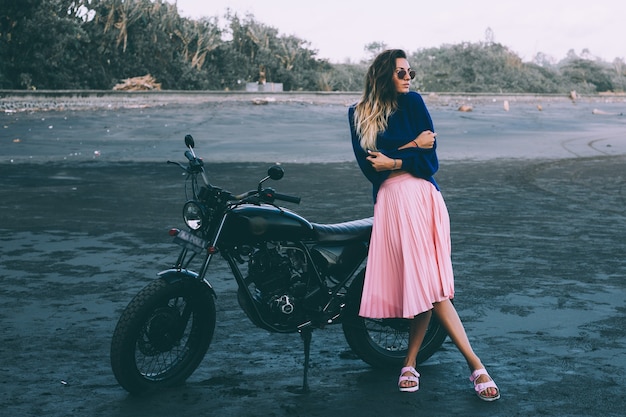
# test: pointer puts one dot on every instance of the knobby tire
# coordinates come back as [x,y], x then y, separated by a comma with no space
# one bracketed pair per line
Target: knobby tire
[383,343]
[162,335]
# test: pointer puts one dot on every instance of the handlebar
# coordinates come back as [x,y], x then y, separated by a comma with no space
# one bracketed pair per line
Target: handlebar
[196,165]
[265,195]
[269,195]
[287,198]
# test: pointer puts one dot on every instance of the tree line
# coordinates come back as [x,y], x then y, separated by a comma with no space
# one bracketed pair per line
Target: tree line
[94,44]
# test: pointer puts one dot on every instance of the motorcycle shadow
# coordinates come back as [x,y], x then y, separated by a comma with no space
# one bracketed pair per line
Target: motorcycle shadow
[343,389]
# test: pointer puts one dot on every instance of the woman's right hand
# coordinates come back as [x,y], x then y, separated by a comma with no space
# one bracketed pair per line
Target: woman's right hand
[425,140]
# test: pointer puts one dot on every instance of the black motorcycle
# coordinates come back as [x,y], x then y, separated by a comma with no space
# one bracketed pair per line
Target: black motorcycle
[292,275]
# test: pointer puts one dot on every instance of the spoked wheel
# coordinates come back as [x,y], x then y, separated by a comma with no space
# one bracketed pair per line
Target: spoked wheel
[162,335]
[384,342]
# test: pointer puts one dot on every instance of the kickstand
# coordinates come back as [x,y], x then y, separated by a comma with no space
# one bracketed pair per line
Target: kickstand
[306,335]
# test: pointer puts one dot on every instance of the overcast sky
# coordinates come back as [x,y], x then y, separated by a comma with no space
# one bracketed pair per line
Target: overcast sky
[340,29]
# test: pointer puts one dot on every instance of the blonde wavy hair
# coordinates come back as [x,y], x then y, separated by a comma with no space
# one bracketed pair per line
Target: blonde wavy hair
[379,99]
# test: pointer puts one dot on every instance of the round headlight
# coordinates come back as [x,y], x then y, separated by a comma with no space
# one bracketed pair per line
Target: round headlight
[193,214]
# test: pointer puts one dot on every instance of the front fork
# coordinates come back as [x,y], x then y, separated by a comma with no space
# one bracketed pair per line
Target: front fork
[180,270]
[185,258]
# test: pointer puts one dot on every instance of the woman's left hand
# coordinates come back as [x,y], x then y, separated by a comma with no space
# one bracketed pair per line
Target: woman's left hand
[380,161]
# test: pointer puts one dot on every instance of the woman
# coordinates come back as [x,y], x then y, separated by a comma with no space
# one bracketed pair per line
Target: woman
[409,268]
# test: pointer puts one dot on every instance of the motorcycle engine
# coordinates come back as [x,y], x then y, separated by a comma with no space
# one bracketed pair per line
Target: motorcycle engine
[277,280]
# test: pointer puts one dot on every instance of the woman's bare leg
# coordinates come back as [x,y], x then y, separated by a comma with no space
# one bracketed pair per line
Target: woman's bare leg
[417,331]
[449,319]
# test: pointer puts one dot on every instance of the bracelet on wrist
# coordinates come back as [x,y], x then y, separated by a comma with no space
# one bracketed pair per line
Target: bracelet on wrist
[415,142]
[394,165]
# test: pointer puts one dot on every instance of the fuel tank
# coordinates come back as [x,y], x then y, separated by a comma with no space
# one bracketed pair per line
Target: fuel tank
[256,223]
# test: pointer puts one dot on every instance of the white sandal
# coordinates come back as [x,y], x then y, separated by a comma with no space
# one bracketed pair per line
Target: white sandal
[481,387]
[414,377]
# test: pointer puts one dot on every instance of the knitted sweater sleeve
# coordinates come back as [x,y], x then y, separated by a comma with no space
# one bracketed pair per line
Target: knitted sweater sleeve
[421,162]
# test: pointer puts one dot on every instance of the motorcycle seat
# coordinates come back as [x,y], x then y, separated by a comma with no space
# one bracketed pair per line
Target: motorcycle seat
[342,232]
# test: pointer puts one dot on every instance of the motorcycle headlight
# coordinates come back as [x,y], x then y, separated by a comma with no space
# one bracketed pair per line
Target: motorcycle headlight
[193,214]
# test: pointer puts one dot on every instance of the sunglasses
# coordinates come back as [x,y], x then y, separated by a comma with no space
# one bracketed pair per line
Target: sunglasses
[402,73]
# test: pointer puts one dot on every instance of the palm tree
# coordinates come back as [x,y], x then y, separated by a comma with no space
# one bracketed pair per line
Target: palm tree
[122,14]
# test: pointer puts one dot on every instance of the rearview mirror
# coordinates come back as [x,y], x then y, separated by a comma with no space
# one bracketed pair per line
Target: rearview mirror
[189,141]
[276,172]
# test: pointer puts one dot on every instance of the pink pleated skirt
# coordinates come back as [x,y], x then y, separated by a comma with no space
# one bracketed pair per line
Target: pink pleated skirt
[409,265]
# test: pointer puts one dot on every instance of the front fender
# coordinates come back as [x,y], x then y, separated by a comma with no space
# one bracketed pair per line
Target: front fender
[175,275]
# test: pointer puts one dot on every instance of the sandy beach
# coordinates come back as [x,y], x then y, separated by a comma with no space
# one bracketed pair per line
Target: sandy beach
[536,195]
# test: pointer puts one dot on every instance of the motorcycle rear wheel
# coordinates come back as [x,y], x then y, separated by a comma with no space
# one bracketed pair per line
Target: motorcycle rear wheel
[383,343]
[162,335]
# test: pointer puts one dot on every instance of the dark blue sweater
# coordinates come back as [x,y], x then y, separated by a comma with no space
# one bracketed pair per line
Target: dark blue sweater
[405,124]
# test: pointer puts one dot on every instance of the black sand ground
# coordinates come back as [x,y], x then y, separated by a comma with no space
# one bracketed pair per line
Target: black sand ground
[537,202]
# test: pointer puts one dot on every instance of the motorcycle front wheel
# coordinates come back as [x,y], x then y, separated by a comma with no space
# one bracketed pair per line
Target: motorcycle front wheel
[162,335]
[383,343]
